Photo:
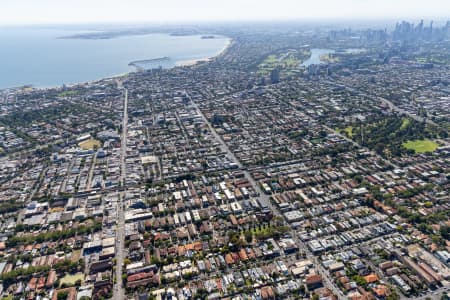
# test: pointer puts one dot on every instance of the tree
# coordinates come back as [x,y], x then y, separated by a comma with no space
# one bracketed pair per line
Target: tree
[248,236]
[445,232]
[428,204]
[56,283]
[393,296]
[63,295]
[302,289]
[126,261]
[201,294]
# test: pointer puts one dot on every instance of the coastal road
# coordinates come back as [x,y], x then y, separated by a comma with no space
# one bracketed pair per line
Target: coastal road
[119,293]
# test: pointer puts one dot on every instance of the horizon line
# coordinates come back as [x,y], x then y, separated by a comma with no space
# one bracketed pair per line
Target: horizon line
[230,22]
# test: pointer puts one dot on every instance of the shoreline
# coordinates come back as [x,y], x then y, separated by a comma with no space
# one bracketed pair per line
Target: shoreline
[181,63]
[192,62]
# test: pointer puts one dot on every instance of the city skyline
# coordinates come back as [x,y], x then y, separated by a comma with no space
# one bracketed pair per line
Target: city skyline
[202,150]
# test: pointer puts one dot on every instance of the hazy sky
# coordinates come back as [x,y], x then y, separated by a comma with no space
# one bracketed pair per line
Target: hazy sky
[106,11]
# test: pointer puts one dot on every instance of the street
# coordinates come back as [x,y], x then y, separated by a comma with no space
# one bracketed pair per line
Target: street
[266,199]
[119,293]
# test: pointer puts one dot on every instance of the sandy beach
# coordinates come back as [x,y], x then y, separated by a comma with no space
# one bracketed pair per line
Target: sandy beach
[191,62]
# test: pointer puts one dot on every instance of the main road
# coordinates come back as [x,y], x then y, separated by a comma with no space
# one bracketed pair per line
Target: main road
[266,199]
[119,293]
[224,148]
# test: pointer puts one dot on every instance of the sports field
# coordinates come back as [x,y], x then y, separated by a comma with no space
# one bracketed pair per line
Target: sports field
[421,146]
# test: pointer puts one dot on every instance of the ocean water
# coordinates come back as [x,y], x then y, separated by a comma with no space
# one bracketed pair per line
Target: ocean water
[39,57]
